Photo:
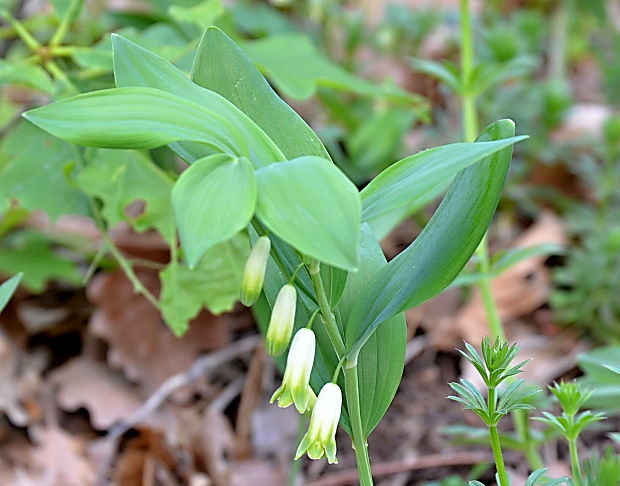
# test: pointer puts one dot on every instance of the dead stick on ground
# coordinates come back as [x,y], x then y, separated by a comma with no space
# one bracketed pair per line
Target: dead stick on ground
[410,464]
[168,387]
[197,370]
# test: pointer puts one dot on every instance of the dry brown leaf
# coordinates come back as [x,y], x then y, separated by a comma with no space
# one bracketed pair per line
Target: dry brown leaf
[253,471]
[20,378]
[141,457]
[140,343]
[583,120]
[62,457]
[218,442]
[522,288]
[250,397]
[83,382]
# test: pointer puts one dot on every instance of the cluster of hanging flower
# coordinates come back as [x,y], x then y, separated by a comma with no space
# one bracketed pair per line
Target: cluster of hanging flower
[320,440]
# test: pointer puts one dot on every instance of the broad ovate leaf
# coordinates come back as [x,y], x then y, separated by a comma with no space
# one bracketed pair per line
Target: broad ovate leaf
[213,200]
[310,204]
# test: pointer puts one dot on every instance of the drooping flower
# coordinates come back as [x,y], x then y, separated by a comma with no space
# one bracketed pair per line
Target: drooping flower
[282,321]
[295,386]
[320,440]
[254,273]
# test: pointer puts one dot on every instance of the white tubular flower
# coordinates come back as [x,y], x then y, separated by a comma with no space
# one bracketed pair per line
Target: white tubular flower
[320,440]
[295,386]
[254,273]
[282,321]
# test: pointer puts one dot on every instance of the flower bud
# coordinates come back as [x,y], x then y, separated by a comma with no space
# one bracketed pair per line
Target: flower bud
[282,321]
[295,386]
[320,440]
[254,273]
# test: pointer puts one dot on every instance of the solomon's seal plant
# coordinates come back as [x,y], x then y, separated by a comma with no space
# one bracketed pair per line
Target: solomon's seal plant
[260,178]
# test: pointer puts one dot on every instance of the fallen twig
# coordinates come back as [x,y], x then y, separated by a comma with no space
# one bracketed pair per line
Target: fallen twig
[167,388]
[409,464]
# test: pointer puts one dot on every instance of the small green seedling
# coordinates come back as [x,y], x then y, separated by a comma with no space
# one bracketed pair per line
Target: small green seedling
[572,397]
[495,367]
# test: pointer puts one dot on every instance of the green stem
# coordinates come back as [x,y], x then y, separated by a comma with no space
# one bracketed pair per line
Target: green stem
[557,53]
[328,316]
[359,440]
[520,421]
[21,31]
[574,461]
[469,116]
[67,18]
[495,441]
[498,456]
[125,265]
[350,378]
[495,323]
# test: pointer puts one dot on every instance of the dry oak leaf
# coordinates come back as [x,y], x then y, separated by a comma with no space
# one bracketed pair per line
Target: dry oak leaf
[20,378]
[519,290]
[62,457]
[141,345]
[83,382]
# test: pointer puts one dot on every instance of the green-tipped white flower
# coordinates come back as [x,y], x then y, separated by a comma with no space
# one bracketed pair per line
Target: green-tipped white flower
[295,386]
[320,440]
[282,321]
[254,273]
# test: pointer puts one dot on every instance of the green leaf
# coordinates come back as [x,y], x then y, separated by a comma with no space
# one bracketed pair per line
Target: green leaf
[26,74]
[446,72]
[373,144]
[413,178]
[310,203]
[140,118]
[213,200]
[599,366]
[122,177]
[202,14]
[32,254]
[32,162]
[439,253]
[138,67]
[381,362]
[213,284]
[298,69]
[221,66]
[502,261]
[8,288]
[334,281]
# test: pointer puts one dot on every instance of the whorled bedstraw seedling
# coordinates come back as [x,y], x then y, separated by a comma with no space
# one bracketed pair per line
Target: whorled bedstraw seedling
[572,396]
[495,367]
